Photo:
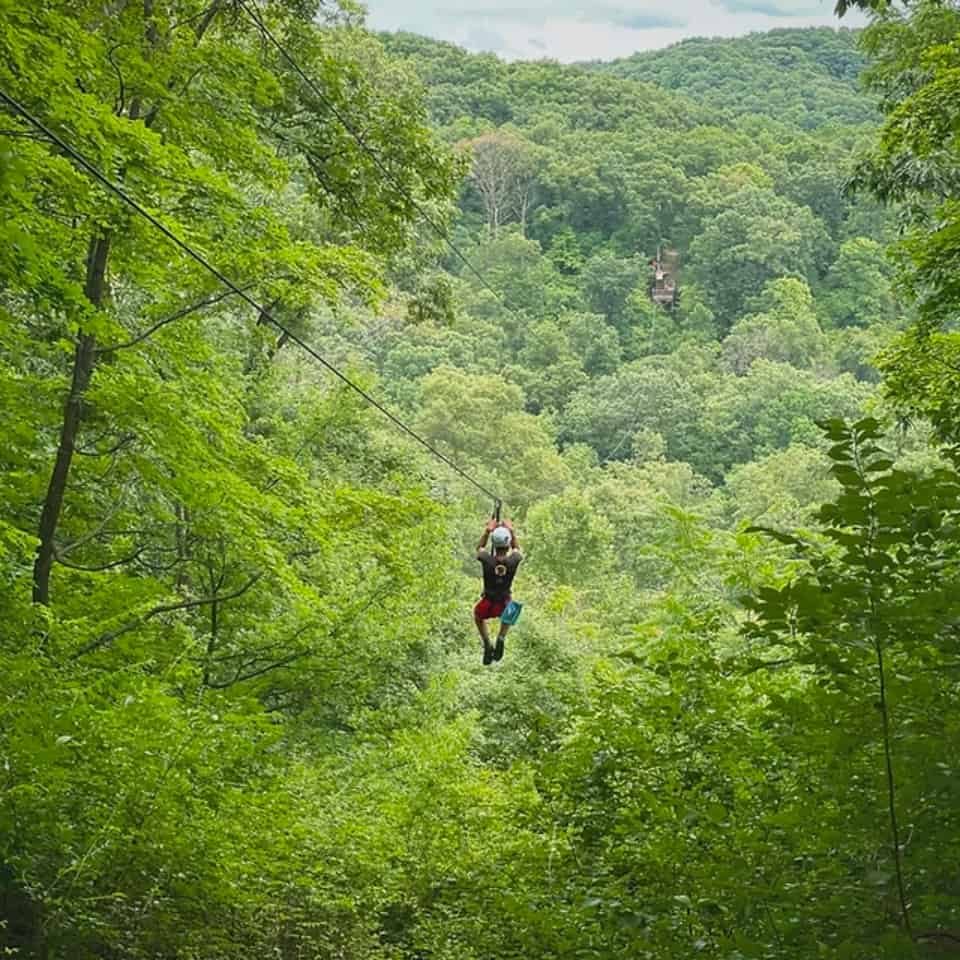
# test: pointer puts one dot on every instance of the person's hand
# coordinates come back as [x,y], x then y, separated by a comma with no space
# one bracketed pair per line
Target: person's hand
[491,525]
[507,524]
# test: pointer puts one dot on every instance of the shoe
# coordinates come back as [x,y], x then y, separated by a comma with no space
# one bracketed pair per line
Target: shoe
[487,654]
[498,650]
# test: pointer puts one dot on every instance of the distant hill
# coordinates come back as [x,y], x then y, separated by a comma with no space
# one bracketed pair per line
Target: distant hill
[803,77]
[484,87]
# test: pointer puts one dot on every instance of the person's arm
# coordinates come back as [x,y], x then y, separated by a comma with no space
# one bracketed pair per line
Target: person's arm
[487,530]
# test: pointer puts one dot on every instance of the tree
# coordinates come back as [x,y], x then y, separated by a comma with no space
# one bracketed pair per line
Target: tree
[594,342]
[547,368]
[786,330]
[565,252]
[658,194]
[480,425]
[141,110]
[607,282]
[760,236]
[782,488]
[663,394]
[773,406]
[915,159]
[914,163]
[503,169]
[559,521]
[524,284]
[857,287]
[862,614]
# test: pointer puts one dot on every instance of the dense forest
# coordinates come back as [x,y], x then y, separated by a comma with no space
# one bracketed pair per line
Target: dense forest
[243,712]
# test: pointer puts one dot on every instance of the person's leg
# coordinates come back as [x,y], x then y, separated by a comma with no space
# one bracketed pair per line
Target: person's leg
[501,636]
[479,618]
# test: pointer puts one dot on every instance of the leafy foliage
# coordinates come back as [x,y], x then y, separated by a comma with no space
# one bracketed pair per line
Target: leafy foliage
[242,712]
[870,614]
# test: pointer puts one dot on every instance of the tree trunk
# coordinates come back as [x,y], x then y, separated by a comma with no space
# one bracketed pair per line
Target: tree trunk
[181,538]
[83,365]
[214,631]
[86,352]
[207,19]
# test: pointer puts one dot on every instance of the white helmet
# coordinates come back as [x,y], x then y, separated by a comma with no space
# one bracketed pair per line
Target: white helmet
[501,537]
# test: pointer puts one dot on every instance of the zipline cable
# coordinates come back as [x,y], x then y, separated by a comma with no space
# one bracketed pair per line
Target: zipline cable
[633,399]
[388,174]
[239,291]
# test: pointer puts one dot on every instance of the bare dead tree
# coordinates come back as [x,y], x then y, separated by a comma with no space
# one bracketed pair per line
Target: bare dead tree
[503,170]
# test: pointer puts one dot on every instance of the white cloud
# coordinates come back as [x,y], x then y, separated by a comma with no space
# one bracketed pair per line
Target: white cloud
[579,30]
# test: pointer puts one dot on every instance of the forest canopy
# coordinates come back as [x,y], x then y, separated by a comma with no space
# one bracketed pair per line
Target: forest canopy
[243,711]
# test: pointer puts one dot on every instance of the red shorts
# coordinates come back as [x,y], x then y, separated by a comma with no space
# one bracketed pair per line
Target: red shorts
[487,609]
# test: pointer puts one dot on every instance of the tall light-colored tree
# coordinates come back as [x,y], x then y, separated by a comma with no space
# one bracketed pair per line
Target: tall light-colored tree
[503,170]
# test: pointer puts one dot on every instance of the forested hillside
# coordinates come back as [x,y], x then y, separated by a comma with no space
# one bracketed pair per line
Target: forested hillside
[805,78]
[577,180]
[243,711]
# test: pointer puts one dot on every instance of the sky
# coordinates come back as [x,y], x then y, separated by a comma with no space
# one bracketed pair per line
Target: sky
[570,30]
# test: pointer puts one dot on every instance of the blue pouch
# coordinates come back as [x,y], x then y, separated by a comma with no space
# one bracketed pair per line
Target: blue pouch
[511,613]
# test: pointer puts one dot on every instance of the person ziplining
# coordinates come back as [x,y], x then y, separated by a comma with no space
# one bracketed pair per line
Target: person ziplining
[499,568]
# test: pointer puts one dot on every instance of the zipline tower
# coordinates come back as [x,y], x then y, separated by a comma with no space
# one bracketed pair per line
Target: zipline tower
[665,277]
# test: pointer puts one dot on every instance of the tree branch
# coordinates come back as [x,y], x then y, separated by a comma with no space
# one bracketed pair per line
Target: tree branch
[25,135]
[927,936]
[179,315]
[124,441]
[112,635]
[96,532]
[207,19]
[240,676]
[120,103]
[770,664]
[100,567]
